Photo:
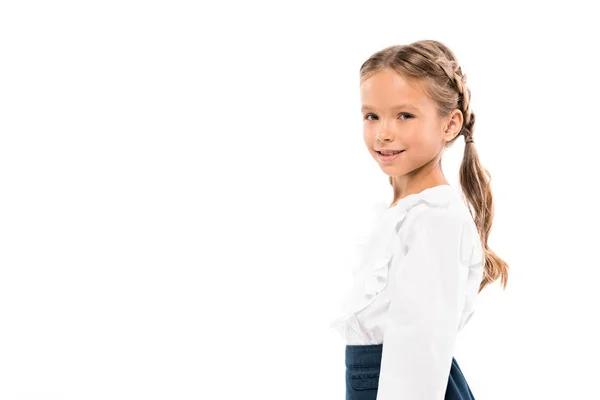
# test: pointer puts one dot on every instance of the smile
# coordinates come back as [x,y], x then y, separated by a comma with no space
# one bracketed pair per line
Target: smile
[389,158]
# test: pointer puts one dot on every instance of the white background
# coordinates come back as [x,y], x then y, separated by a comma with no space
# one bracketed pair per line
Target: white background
[181,182]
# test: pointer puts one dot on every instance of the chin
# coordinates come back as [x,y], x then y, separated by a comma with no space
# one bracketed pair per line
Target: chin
[390,170]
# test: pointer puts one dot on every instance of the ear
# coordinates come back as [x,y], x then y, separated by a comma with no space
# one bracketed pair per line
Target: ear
[453,125]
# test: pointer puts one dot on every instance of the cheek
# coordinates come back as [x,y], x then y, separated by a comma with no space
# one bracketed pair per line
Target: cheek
[415,139]
[422,147]
[369,135]
[421,137]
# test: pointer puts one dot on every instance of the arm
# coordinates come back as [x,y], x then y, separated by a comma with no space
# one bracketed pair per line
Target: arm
[425,311]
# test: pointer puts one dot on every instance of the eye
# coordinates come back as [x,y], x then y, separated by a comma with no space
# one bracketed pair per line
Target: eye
[406,115]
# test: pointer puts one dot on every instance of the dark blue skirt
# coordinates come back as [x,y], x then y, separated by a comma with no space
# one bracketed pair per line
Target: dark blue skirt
[362,375]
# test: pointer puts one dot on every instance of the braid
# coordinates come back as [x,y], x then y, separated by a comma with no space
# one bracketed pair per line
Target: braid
[464,103]
[459,81]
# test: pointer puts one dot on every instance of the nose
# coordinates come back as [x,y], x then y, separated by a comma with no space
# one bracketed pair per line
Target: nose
[383,135]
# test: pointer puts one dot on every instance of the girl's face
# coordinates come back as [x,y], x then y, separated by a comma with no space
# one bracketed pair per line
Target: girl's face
[397,115]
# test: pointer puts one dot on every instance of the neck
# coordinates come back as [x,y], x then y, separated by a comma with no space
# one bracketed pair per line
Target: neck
[417,181]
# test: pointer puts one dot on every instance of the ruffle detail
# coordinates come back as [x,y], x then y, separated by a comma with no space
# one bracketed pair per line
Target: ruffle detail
[368,236]
[372,273]
[375,255]
[377,280]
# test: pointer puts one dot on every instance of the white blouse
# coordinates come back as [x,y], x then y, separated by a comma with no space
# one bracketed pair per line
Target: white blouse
[415,285]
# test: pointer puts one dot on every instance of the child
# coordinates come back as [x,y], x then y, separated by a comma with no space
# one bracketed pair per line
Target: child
[427,257]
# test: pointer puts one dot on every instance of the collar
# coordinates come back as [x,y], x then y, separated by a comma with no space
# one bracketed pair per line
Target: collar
[437,196]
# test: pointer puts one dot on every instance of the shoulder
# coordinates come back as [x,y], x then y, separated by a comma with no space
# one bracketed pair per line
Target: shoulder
[438,216]
[435,207]
[448,217]
[444,229]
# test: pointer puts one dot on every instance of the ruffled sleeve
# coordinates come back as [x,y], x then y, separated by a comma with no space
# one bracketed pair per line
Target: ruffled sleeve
[425,309]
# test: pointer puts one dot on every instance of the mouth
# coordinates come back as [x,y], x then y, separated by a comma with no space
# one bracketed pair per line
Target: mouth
[389,156]
[389,152]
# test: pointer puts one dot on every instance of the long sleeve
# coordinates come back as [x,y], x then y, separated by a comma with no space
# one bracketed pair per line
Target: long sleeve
[425,309]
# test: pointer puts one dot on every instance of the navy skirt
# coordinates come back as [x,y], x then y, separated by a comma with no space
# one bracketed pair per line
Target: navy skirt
[362,375]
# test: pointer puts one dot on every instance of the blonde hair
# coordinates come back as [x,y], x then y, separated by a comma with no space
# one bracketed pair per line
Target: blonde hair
[433,64]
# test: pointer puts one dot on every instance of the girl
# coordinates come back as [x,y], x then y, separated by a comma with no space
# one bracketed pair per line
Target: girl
[427,257]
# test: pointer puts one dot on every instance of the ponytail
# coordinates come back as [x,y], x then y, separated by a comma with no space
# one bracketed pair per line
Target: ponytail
[475,181]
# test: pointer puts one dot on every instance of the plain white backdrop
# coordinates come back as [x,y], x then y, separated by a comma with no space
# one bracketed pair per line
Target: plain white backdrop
[181,183]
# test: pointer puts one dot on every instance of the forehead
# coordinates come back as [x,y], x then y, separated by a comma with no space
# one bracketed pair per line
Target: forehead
[387,88]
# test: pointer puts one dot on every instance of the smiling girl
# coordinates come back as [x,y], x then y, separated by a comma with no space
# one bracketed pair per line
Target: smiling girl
[427,257]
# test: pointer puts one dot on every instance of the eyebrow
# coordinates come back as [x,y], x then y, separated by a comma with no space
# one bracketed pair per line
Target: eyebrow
[398,106]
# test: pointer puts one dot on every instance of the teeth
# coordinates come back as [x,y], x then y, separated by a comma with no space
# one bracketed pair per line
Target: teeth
[390,154]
